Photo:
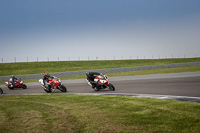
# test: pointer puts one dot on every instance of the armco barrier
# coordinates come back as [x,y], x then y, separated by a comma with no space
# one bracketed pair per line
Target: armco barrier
[112,70]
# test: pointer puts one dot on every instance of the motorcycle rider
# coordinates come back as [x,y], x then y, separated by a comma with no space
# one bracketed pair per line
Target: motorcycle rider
[90,78]
[12,80]
[46,78]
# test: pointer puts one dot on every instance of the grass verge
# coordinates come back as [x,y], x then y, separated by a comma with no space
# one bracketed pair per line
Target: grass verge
[87,113]
[157,71]
[7,69]
[133,73]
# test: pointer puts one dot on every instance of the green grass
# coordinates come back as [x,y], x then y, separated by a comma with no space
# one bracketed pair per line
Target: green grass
[7,69]
[84,113]
[157,71]
[87,113]
[133,73]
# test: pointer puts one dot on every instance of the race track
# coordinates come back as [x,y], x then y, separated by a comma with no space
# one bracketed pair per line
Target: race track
[182,84]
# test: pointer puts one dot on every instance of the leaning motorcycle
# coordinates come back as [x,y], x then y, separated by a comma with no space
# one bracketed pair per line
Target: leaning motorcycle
[17,84]
[103,83]
[52,85]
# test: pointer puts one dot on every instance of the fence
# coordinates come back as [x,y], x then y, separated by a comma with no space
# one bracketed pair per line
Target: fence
[113,70]
[88,58]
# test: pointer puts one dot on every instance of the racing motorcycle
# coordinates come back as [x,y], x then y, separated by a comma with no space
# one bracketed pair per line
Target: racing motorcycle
[102,80]
[1,91]
[17,84]
[52,85]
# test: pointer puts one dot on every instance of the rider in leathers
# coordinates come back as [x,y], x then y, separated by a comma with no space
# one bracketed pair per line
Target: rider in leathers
[46,78]
[90,78]
[12,80]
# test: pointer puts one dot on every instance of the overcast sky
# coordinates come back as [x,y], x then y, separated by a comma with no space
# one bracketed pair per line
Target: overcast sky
[70,29]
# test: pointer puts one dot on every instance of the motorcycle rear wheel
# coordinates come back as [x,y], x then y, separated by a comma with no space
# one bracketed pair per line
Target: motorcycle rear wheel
[96,88]
[47,89]
[11,88]
[1,91]
[111,87]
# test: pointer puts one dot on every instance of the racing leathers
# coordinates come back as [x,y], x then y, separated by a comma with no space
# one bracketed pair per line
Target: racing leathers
[46,79]
[90,78]
[12,80]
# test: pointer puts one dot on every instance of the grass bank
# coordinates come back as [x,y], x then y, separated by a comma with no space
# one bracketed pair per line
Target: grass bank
[86,113]
[157,71]
[7,69]
[133,73]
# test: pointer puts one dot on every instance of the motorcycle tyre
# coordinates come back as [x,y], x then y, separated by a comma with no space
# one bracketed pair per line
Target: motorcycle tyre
[96,89]
[48,89]
[24,86]
[11,88]
[1,91]
[111,87]
[62,88]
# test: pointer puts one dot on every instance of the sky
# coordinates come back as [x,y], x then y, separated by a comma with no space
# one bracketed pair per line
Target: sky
[43,30]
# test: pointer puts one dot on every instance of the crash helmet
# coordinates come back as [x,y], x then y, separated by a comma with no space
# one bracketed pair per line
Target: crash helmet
[87,73]
[13,76]
[47,75]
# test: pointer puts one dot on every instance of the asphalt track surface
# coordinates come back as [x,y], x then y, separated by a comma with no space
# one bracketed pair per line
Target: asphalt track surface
[176,86]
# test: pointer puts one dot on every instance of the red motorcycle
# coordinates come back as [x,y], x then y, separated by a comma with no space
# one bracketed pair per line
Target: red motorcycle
[102,80]
[18,84]
[53,84]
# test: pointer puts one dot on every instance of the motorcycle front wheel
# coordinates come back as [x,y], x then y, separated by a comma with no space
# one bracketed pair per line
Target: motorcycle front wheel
[111,87]
[62,88]
[24,86]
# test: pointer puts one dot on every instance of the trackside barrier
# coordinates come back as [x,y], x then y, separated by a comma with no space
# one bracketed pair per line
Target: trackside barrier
[112,70]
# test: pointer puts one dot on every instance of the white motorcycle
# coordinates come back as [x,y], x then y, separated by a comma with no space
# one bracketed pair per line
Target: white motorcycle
[52,85]
[102,81]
